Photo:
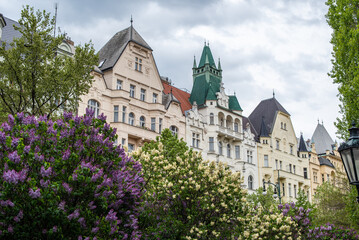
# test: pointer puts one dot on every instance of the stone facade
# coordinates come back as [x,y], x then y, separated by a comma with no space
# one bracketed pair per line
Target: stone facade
[278,155]
[127,89]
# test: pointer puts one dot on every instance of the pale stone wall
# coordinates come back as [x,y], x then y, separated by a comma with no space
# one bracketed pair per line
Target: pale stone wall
[281,150]
[104,91]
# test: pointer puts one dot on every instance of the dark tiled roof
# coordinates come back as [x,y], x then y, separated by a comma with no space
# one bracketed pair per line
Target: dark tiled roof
[111,52]
[245,121]
[9,33]
[326,162]
[234,104]
[302,145]
[180,95]
[268,109]
[322,139]
[263,131]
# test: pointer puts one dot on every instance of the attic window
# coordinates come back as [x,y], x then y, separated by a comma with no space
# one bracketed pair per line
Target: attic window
[138,64]
[101,63]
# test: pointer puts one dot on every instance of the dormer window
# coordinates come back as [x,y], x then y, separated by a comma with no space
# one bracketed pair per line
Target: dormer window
[138,64]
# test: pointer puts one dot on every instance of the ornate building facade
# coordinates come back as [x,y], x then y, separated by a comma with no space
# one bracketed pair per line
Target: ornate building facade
[128,89]
[280,158]
[215,124]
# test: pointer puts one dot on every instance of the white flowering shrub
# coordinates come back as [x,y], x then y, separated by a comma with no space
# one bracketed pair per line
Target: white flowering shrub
[186,197]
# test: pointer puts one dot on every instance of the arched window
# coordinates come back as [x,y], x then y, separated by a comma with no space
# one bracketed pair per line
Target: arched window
[131,118]
[142,121]
[250,182]
[211,118]
[174,130]
[95,106]
[220,148]
[228,150]
[236,127]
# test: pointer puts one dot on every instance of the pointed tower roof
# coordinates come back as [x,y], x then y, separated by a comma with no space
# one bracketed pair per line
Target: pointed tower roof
[206,57]
[322,139]
[267,108]
[194,62]
[263,130]
[302,146]
[112,50]
[219,64]
[234,104]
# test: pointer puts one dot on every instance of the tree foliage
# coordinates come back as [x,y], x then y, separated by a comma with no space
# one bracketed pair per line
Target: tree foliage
[34,79]
[66,179]
[186,197]
[342,17]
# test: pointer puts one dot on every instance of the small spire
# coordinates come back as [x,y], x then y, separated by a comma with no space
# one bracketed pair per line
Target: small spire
[234,93]
[194,62]
[204,42]
[219,64]
[131,21]
[318,120]
[273,94]
[322,122]
[208,43]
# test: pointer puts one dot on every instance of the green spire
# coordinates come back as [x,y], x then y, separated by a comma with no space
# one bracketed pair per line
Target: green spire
[194,62]
[206,57]
[219,64]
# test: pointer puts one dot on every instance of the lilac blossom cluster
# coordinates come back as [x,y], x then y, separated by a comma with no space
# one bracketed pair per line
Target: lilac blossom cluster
[67,178]
[330,231]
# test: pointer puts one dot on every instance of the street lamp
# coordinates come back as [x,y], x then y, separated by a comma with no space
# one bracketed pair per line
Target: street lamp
[349,152]
[276,189]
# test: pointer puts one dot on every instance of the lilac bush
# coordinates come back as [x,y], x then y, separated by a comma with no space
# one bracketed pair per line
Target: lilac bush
[66,179]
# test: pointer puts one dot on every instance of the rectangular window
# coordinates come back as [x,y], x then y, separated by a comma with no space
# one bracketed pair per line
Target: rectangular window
[322,178]
[328,179]
[115,113]
[295,191]
[290,189]
[277,144]
[236,148]
[305,173]
[153,124]
[143,94]
[119,85]
[138,64]
[266,161]
[276,164]
[291,149]
[160,125]
[211,144]
[195,140]
[290,168]
[283,187]
[249,156]
[294,169]
[280,165]
[123,142]
[131,147]
[132,90]
[123,114]
[228,150]
[154,98]
[236,127]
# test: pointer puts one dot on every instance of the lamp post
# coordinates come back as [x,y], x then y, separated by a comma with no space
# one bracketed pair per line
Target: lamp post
[276,188]
[349,152]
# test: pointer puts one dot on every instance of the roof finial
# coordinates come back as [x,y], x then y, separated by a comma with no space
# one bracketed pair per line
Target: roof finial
[273,93]
[318,120]
[322,122]
[234,93]
[131,21]
[208,43]
[204,42]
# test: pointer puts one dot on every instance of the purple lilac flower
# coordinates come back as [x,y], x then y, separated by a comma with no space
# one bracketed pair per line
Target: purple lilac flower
[111,216]
[14,157]
[34,194]
[44,184]
[82,222]
[67,187]
[95,230]
[54,229]
[2,137]
[27,149]
[10,229]
[46,172]
[11,176]
[66,155]
[74,215]
[62,206]
[6,127]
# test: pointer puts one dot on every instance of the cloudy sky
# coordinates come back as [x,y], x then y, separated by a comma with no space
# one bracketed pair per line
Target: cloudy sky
[263,45]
